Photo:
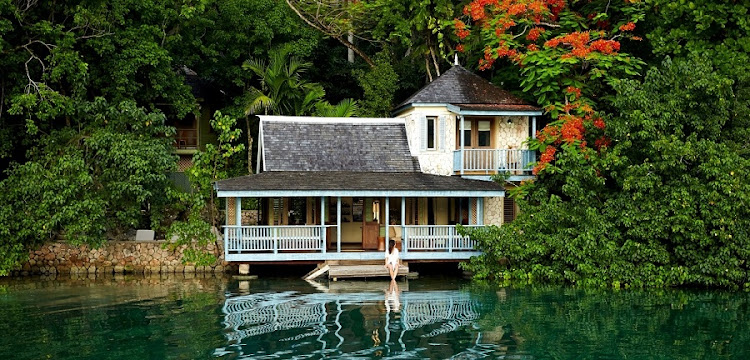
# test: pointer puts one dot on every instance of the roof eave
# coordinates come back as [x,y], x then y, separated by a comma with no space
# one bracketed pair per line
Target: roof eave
[358,193]
[458,111]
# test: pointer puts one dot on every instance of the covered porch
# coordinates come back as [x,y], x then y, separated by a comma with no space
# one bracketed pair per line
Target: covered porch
[352,223]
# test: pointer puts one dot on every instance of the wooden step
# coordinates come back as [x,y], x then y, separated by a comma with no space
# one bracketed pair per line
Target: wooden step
[362,271]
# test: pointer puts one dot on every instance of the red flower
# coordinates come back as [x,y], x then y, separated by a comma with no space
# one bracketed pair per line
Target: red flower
[573,90]
[599,123]
[605,46]
[460,48]
[548,155]
[534,33]
[572,130]
[602,142]
[627,27]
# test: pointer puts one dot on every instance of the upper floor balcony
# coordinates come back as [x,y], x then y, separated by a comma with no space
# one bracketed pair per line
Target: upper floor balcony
[493,161]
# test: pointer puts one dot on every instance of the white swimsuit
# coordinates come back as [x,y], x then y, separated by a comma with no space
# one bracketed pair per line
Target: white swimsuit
[393,257]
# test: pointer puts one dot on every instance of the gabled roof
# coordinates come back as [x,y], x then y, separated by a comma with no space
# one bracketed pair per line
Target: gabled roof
[461,87]
[335,144]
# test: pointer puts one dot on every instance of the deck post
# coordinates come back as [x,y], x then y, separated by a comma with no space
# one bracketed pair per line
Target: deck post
[533,127]
[323,222]
[451,231]
[275,231]
[461,119]
[387,222]
[404,248]
[238,219]
[480,211]
[338,224]
[238,211]
[226,242]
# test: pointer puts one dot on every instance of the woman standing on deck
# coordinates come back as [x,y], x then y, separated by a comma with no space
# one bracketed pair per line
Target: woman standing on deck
[392,260]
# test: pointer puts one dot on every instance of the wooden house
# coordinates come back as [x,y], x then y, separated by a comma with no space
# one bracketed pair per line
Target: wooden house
[336,188]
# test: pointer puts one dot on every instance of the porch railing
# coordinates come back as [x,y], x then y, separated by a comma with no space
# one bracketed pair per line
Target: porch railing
[273,238]
[491,160]
[435,238]
[309,238]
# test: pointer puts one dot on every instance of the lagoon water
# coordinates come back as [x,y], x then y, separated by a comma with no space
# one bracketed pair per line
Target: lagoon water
[427,318]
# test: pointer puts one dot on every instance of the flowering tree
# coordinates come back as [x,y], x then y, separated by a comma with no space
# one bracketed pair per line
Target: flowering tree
[568,52]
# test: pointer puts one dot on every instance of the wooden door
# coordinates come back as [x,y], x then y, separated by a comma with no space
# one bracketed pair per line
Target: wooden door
[370,232]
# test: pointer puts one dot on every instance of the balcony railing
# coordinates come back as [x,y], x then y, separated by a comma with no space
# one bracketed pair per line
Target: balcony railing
[186,139]
[493,160]
[435,238]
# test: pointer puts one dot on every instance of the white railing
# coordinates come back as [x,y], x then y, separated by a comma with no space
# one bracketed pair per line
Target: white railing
[491,160]
[435,238]
[273,238]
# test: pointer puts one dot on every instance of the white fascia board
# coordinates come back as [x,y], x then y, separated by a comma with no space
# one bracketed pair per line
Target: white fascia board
[497,112]
[329,120]
[457,110]
[359,193]
[368,255]
[416,105]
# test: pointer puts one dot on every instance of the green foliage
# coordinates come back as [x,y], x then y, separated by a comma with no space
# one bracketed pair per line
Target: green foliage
[82,185]
[669,207]
[209,165]
[379,84]
[284,92]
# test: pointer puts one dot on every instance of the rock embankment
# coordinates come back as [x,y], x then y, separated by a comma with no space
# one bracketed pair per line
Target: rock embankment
[116,257]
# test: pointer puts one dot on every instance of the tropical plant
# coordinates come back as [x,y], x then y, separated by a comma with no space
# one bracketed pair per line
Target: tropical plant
[664,205]
[90,183]
[209,165]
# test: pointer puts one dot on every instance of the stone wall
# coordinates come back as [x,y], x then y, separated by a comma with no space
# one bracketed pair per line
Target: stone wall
[493,211]
[116,257]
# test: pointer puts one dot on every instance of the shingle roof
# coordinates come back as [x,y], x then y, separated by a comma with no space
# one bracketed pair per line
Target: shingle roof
[460,86]
[328,144]
[353,181]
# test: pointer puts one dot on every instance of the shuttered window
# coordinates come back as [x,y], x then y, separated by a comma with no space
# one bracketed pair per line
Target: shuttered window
[430,133]
[509,210]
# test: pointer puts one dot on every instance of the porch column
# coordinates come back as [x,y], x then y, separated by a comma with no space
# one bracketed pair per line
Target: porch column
[387,222]
[226,228]
[533,127]
[462,143]
[323,222]
[480,211]
[238,211]
[404,235]
[338,224]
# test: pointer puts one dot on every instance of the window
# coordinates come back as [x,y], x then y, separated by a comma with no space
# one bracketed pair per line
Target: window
[467,134]
[477,134]
[483,133]
[431,133]
[509,210]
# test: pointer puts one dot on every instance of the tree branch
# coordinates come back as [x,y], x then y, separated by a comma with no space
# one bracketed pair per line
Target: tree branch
[330,31]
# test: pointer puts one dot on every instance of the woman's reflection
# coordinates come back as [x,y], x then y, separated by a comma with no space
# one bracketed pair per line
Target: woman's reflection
[392,301]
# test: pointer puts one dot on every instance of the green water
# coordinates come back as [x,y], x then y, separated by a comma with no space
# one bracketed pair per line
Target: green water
[221,318]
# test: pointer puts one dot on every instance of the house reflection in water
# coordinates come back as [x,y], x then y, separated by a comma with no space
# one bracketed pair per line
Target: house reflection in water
[352,324]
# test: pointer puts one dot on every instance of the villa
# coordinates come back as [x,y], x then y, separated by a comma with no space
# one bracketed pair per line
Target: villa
[337,188]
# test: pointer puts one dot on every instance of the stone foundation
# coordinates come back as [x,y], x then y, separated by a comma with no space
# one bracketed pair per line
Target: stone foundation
[116,257]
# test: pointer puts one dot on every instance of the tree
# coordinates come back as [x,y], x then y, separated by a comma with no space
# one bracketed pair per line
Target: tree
[668,209]
[210,165]
[284,92]
[88,184]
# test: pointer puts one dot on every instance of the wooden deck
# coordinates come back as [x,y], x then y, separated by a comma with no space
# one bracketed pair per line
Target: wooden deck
[352,269]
